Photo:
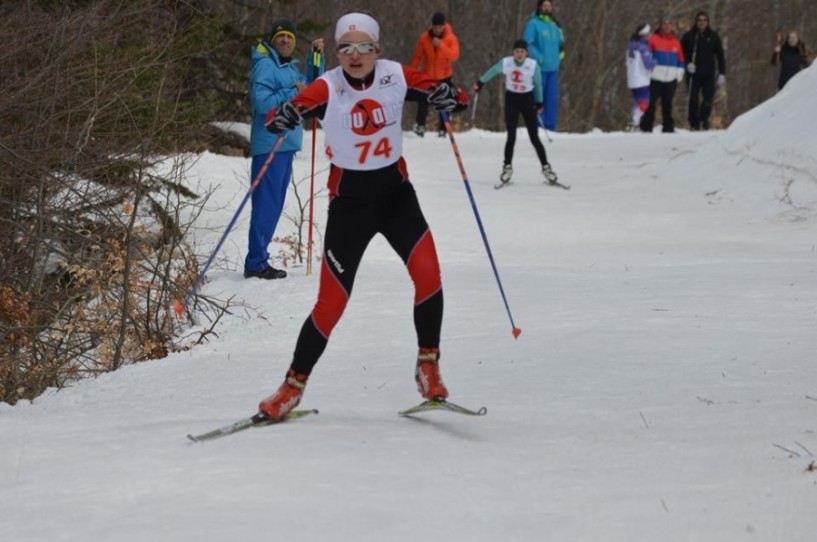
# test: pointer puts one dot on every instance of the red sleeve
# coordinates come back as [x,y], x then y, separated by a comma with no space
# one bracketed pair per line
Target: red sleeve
[311,101]
[312,97]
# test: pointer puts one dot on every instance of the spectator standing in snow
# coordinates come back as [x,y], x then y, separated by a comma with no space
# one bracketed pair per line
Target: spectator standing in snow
[545,39]
[665,76]
[706,67]
[436,51]
[360,106]
[639,65]
[275,78]
[791,56]
[523,95]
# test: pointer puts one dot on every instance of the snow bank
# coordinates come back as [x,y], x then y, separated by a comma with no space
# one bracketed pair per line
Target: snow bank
[780,131]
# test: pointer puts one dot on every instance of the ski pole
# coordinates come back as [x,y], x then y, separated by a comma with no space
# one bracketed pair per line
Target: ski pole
[311,200]
[316,63]
[474,109]
[515,330]
[180,307]
[542,124]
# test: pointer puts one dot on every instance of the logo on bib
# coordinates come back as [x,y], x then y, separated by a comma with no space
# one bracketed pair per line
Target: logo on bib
[368,117]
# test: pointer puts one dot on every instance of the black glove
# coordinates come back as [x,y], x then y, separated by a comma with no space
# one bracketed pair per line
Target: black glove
[478,86]
[444,98]
[285,118]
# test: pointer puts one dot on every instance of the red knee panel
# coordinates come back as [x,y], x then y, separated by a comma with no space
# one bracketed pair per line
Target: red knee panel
[424,269]
[332,300]
[335,175]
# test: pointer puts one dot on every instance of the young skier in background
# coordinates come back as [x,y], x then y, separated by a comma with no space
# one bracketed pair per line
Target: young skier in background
[523,95]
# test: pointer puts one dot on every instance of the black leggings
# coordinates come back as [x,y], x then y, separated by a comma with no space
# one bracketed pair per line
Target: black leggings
[515,104]
[363,204]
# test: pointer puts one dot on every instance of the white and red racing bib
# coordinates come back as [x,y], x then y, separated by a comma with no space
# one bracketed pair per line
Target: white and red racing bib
[518,79]
[363,128]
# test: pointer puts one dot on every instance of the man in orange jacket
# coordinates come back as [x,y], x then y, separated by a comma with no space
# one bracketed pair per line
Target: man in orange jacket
[437,49]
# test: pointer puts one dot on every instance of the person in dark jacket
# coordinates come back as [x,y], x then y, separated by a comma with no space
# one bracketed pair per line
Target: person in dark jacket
[791,56]
[706,67]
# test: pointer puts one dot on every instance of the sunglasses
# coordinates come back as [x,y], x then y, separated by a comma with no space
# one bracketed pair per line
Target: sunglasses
[363,48]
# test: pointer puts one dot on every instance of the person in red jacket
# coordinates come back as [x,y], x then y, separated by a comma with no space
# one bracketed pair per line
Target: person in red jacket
[667,73]
[360,106]
[437,49]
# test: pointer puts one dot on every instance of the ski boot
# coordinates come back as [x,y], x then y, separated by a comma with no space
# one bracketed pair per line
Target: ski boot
[550,175]
[427,374]
[505,176]
[419,129]
[283,401]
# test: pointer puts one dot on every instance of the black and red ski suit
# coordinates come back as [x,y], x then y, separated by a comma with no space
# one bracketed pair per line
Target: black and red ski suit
[361,205]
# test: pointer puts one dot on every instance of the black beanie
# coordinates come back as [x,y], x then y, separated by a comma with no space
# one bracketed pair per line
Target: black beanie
[283,26]
[438,18]
[520,44]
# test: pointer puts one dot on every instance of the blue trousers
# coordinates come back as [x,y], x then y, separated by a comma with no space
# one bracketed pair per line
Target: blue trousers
[550,92]
[267,206]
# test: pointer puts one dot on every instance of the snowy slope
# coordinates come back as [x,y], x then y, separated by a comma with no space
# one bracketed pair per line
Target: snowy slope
[664,386]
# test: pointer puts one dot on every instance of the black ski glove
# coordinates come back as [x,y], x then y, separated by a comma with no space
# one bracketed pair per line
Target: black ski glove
[444,98]
[283,119]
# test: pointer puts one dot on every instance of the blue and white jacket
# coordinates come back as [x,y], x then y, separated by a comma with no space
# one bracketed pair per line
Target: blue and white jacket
[271,84]
[640,63]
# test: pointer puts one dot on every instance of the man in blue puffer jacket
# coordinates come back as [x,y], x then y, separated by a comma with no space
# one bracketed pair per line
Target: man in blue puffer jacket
[275,79]
[546,45]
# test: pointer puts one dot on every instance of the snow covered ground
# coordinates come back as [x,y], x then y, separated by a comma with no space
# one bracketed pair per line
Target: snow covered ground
[664,386]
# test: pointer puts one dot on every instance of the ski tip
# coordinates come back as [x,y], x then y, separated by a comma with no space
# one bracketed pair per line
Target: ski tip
[516,332]
[191,437]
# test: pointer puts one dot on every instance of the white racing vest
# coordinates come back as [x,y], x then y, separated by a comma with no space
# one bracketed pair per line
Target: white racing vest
[363,128]
[518,79]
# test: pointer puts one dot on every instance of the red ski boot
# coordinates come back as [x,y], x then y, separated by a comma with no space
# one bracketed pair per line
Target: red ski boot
[429,382]
[283,401]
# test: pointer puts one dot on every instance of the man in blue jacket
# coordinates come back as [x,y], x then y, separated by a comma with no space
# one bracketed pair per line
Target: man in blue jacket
[275,79]
[546,45]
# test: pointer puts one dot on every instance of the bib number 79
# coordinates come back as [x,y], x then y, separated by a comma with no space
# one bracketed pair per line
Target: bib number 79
[382,148]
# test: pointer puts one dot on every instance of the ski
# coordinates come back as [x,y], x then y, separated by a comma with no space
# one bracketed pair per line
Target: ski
[254,421]
[558,184]
[442,404]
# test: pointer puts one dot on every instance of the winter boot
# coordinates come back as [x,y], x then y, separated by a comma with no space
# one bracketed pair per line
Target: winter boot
[419,129]
[268,273]
[283,401]
[427,374]
[550,175]
[507,171]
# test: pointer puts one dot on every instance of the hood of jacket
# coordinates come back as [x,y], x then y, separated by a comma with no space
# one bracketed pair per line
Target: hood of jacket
[264,50]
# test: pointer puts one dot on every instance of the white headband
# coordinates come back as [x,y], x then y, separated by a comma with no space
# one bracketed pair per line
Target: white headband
[357,21]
